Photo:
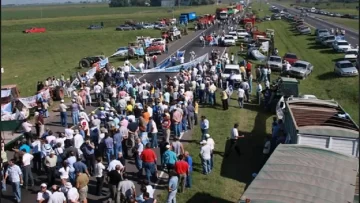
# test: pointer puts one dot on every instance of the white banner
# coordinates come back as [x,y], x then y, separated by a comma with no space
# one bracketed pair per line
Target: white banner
[177,68]
[29,102]
[264,47]
[90,74]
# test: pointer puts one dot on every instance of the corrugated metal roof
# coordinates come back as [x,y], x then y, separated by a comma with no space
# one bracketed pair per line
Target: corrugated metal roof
[304,174]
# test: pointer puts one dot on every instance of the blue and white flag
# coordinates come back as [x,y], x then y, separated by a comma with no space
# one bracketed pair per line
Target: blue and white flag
[121,51]
[180,54]
[6,109]
[103,63]
[133,68]
[214,41]
[166,63]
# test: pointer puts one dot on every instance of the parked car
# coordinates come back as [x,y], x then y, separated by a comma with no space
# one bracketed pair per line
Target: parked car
[241,33]
[319,38]
[345,68]
[144,26]
[160,26]
[276,17]
[301,69]
[233,70]
[304,30]
[234,34]
[328,40]
[267,18]
[321,32]
[290,57]
[125,27]
[35,30]
[351,54]
[341,45]
[229,40]
[95,27]
[345,16]
[274,63]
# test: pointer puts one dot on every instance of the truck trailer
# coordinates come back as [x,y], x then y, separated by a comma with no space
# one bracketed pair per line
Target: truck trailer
[185,18]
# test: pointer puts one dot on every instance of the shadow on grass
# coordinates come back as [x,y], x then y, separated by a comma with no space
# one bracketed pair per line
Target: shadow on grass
[327,51]
[240,166]
[338,59]
[317,46]
[206,198]
[327,76]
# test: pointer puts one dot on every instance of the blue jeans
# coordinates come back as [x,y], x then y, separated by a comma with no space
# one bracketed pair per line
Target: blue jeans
[184,124]
[17,190]
[72,177]
[63,119]
[154,140]
[188,180]
[241,102]
[118,148]
[172,197]
[177,129]
[149,169]
[109,153]
[206,166]
[211,98]
[138,163]
[75,117]
[203,134]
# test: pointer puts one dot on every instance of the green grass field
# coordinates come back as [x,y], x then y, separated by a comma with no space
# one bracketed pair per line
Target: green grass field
[32,57]
[231,175]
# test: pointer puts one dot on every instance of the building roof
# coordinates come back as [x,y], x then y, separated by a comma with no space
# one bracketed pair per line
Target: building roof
[320,117]
[304,174]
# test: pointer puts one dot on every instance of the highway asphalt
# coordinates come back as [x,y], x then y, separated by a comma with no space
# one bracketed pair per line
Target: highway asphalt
[350,35]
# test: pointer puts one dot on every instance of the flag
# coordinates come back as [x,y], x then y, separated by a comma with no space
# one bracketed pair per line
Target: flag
[166,63]
[103,63]
[180,54]
[7,108]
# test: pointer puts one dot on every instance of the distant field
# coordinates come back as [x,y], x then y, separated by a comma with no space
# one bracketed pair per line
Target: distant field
[28,58]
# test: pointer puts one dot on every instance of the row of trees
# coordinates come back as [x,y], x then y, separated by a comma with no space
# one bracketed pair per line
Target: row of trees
[126,3]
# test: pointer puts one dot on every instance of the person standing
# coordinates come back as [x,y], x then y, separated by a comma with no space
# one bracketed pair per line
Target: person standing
[211,143]
[16,179]
[154,58]
[125,190]
[173,186]
[118,138]
[114,177]
[27,130]
[39,124]
[224,99]
[188,159]
[57,196]
[44,194]
[191,115]
[148,158]
[50,162]
[241,94]
[182,169]
[250,79]
[166,124]
[153,133]
[196,111]
[26,161]
[204,127]
[258,92]
[177,120]
[82,181]
[177,147]
[233,140]
[72,193]
[75,109]
[109,142]
[139,147]
[63,114]
[205,154]
[169,159]
[89,155]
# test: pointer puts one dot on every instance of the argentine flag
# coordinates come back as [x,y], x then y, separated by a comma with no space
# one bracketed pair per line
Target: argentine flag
[180,54]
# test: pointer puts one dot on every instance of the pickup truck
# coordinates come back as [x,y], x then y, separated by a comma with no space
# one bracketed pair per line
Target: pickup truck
[174,34]
[35,30]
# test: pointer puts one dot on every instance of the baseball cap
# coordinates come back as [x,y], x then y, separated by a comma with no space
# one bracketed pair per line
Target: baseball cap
[43,185]
[167,146]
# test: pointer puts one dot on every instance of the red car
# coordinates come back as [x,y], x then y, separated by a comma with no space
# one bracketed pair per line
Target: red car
[155,48]
[290,57]
[35,30]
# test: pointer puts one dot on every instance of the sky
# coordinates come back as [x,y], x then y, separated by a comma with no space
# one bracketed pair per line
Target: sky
[5,2]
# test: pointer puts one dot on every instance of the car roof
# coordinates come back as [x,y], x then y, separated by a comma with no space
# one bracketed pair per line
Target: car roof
[302,62]
[341,40]
[343,61]
[229,36]
[232,66]
[274,56]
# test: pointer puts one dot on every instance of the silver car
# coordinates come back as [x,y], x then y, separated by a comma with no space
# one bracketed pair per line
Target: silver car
[304,30]
[345,68]
[301,69]
[328,40]
[275,63]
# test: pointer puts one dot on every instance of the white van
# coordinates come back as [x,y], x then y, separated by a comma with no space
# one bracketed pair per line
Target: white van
[312,10]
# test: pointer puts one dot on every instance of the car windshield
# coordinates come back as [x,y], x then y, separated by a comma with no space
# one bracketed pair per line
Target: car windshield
[343,43]
[275,59]
[229,71]
[329,38]
[290,56]
[241,30]
[300,65]
[346,65]
[232,33]
[352,52]
[231,38]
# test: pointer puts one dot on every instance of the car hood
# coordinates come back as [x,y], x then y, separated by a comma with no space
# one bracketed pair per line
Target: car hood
[343,46]
[236,77]
[274,63]
[154,47]
[350,56]
[348,70]
[299,70]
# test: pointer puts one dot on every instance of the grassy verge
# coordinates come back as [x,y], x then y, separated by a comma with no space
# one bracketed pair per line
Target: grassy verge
[32,57]
[231,175]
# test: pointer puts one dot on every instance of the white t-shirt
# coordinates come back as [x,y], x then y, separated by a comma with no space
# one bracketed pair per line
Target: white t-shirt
[154,127]
[113,165]
[234,133]
[69,133]
[78,141]
[43,195]
[211,143]
[50,138]
[126,69]
[57,197]
[26,159]
[61,140]
[64,172]
[205,152]
[150,110]
[150,190]
[266,149]
[26,126]
[73,195]
[97,89]
[241,93]
[99,167]
[182,60]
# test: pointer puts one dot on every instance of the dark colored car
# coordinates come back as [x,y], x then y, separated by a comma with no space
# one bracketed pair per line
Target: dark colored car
[125,27]
[95,27]
[290,57]
[346,16]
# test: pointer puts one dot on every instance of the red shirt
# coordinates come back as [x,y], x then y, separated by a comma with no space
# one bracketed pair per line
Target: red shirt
[148,156]
[248,67]
[181,167]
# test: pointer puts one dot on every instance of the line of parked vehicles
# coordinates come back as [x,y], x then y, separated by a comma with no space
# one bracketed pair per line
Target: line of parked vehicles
[326,13]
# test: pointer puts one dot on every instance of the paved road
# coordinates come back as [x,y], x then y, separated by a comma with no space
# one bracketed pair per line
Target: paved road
[350,35]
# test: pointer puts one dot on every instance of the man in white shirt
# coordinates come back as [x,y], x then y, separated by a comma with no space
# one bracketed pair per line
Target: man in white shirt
[232,59]
[233,140]
[211,143]
[241,94]
[182,59]
[99,175]
[145,95]
[113,163]
[205,154]
[57,196]
[258,92]
[212,90]
[88,95]
[44,194]
[36,151]
[27,130]
[69,134]
[26,160]
[141,67]
[126,70]
[78,141]
[72,194]
[63,115]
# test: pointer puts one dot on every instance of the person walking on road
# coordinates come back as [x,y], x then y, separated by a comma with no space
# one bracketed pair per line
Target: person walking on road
[148,158]
[16,179]
[189,160]
[182,169]
[63,114]
[211,143]
[26,161]
[173,186]
[50,162]
[241,94]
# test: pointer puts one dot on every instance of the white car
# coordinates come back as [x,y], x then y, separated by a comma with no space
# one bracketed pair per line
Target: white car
[351,54]
[241,33]
[233,71]
[234,34]
[341,45]
[229,40]
[275,63]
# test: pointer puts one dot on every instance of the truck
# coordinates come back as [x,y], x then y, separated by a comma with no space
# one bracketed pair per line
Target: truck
[185,18]
[172,34]
[221,13]
[35,30]
[319,123]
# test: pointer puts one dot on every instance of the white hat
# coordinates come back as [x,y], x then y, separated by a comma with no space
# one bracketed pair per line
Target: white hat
[52,152]
[62,101]
[203,142]
[43,185]
[111,118]
[68,185]
[167,146]
[207,135]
